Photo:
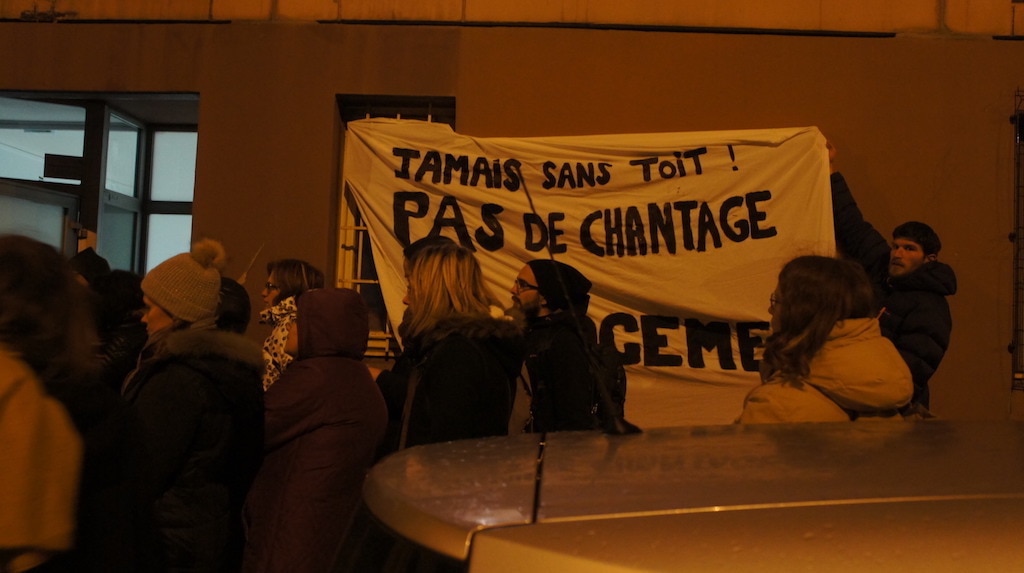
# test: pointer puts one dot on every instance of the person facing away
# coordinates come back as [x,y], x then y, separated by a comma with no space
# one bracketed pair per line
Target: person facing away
[910,282]
[198,398]
[46,333]
[553,297]
[110,520]
[393,382]
[235,307]
[466,351]
[286,279]
[122,334]
[826,359]
[324,420]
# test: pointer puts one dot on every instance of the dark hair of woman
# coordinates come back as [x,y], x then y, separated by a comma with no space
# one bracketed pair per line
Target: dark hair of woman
[813,294]
[120,295]
[45,313]
[293,277]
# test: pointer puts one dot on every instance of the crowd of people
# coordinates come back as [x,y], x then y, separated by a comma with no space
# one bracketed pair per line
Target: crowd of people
[144,431]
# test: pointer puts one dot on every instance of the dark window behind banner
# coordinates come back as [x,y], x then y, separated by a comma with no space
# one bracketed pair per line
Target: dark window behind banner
[356,268]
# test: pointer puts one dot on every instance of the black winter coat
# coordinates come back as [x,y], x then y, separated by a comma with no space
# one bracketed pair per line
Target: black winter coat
[199,401]
[559,367]
[467,369]
[915,314]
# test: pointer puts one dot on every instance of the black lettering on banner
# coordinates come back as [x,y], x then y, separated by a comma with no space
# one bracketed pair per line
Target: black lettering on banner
[533,221]
[406,155]
[574,175]
[554,232]
[645,164]
[705,226]
[636,242]
[586,238]
[613,236]
[685,208]
[482,168]
[626,233]
[431,165]
[757,216]
[538,234]
[748,342]
[496,240]
[452,164]
[741,229]
[402,199]
[512,169]
[662,226]
[700,337]
[654,340]
[669,168]
[631,350]
[438,166]
[456,221]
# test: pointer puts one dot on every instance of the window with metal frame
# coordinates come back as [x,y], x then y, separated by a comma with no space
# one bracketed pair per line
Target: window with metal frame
[105,150]
[355,265]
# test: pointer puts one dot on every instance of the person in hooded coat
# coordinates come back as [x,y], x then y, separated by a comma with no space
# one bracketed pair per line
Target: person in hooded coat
[324,420]
[826,359]
[198,396]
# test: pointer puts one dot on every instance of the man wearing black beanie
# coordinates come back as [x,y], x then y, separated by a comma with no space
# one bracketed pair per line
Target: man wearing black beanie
[554,297]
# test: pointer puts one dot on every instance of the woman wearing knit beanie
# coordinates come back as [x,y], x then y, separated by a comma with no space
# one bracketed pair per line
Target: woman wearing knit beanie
[199,400]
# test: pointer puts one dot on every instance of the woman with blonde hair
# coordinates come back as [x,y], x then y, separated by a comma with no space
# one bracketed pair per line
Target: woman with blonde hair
[826,359]
[466,351]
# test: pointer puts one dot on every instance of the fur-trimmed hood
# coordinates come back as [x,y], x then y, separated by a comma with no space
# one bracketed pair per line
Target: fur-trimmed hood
[933,276]
[201,344]
[502,335]
[225,358]
[474,327]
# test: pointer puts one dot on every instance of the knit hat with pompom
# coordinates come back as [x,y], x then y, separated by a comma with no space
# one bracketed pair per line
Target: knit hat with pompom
[187,286]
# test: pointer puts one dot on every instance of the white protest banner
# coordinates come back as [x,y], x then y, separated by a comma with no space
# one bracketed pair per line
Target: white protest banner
[682,234]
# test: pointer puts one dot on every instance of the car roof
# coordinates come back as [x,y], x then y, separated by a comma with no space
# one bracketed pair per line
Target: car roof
[530,489]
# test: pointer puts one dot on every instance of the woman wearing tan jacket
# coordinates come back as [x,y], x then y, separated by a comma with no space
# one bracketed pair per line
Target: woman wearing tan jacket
[826,359]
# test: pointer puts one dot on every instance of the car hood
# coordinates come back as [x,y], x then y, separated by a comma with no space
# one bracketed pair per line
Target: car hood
[442,495]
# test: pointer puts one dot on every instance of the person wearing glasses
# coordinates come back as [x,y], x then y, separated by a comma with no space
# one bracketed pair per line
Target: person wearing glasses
[553,297]
[826,359]
[286,280]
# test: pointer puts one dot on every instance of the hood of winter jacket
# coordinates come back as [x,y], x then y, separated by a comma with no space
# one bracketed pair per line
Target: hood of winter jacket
[332,322]
[502,335]
[934,276]
[861,370]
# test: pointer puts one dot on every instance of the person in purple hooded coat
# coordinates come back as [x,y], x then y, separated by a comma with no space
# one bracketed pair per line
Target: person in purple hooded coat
[324,419]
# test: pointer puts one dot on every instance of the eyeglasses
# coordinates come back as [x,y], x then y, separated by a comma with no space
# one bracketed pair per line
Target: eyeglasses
[773,300]
[271,286]
[522,285]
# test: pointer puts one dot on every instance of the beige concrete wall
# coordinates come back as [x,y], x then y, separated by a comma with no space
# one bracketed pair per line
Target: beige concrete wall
[925,17]
[921,124]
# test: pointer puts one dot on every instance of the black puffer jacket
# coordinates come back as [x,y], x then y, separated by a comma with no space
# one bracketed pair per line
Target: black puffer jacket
[467,370]
[915,314]
[199,401]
